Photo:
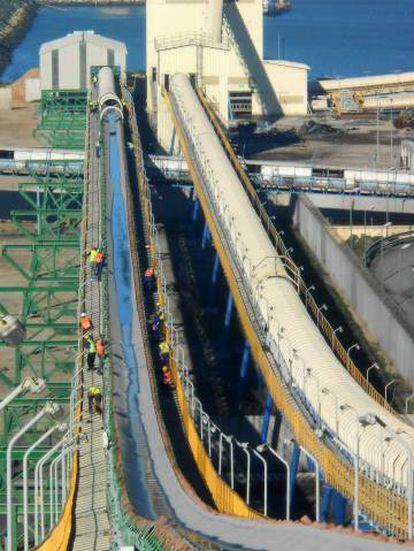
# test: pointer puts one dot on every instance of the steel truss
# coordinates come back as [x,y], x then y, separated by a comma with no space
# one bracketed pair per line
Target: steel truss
[44,291]
[63,118]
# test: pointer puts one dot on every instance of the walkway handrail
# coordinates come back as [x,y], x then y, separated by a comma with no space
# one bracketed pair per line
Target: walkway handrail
[59,537]
[324,326]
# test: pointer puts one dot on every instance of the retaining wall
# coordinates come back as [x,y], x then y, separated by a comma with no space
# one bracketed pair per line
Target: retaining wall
[358,287]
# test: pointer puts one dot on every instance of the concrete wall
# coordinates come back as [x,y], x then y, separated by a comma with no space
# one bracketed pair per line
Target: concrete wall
[5,98]
[32,89]
[358,287]
[290,83]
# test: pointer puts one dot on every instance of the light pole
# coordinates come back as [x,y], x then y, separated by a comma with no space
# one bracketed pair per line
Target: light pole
[229,440]
[407,401]
[340,330]
[317,483]
[348,352]
[307,291]
[39,486]
[29,384]
[402,248]
[373,366]
[364,420]
[387,386]
[407,448]
[328,392]
[371,207]
[263,460]
[324,308]
[49,408]
[287,467]
[25,480]
[244,446]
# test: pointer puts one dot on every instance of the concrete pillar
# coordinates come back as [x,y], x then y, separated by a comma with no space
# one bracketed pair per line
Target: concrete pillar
[215,19]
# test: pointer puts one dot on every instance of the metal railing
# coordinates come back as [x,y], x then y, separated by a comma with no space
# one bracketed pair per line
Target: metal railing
[176,40]
[381,497]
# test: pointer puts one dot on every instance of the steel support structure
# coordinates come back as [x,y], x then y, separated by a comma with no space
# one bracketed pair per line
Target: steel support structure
[43,293]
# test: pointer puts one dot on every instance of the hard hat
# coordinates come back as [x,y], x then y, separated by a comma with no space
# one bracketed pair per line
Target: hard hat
[83,315]
[93,245]
[165,369]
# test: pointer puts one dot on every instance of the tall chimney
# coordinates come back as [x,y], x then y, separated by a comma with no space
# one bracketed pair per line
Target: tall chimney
[215,19]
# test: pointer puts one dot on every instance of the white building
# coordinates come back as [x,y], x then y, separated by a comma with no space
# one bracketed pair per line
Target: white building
[221,43]
[65,63]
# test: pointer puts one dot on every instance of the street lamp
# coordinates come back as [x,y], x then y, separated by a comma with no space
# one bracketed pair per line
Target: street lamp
[340,330]
[407,448]
[407,401]
[29,384]
[229,440]
[44,436]
[317,483]
[364,421]
[39,486]
[49,409]
[373,366]
[324,308]
[263,460]
[371,207]
[307,291]
[402,248]
[328,392]
[387,386]
[287,467]
[244,446]
[348,352]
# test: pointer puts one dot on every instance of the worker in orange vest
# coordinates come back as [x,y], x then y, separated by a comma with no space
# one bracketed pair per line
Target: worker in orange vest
[167,377]
[149,276]
[101,353]
[85,322]
[99,264]
[164,350]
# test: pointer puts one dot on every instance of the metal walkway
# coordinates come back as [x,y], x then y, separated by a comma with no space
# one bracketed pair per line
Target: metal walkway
[91,525]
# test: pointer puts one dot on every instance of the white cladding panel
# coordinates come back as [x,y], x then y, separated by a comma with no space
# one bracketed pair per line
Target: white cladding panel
[65,63]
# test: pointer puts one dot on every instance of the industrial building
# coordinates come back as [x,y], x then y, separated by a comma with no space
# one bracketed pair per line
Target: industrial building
[221,45]
[65,63]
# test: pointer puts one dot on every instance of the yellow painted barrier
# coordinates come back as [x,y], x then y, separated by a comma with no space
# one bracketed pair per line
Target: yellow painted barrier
[58,539]
[383,506]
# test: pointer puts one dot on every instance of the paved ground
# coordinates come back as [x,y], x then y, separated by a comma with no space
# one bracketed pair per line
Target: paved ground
[17,125]
[354,144]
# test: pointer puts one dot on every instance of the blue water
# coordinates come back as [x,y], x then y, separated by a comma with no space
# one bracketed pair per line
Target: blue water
[334,37]
[125,23]
[345,37]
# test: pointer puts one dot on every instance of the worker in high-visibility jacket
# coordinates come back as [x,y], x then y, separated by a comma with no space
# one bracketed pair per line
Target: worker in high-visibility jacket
[99,263]
[149,277]
[94,398]
[91,348]
[85,322]
[164,350]
[92,254]
[101,353]
[167,377]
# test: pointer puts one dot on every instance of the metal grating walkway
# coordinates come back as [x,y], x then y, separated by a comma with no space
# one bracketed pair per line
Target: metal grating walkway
[91,518]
